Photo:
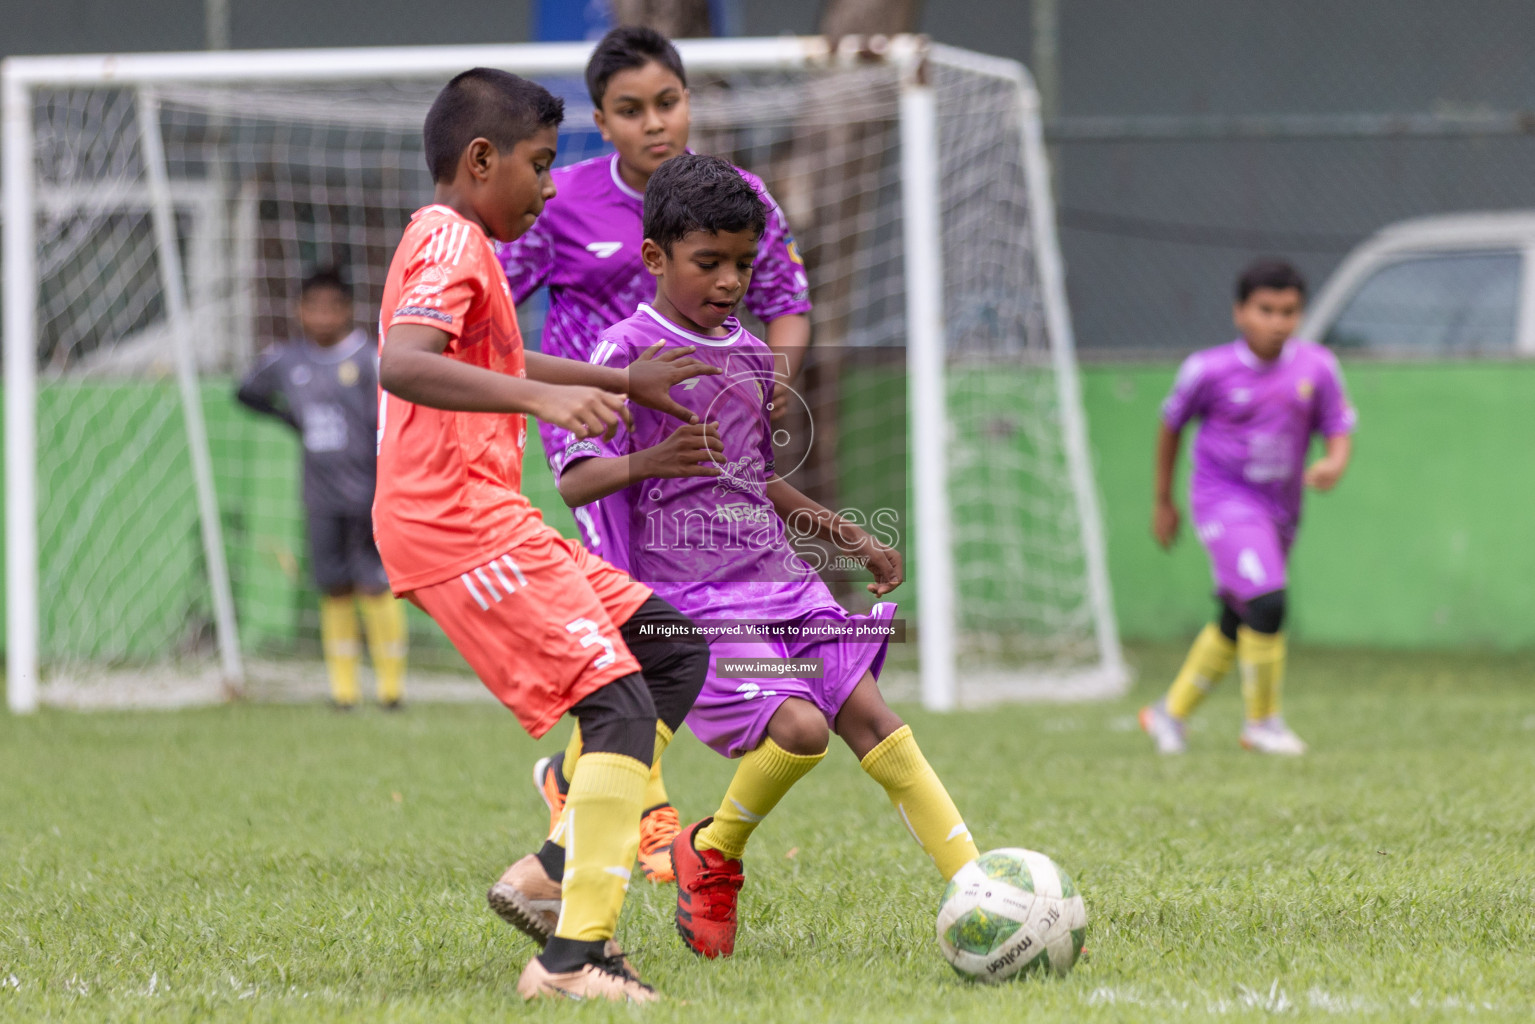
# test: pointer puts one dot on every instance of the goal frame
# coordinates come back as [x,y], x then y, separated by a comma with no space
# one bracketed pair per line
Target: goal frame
[921,192]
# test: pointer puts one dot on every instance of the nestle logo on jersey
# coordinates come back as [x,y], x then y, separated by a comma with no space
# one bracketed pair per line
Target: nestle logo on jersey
[426,311]
[740,513]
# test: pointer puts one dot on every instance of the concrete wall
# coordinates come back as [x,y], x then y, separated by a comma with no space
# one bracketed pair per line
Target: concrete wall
[1426,543]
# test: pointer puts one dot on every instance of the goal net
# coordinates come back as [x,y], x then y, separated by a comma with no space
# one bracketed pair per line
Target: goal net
[161,210]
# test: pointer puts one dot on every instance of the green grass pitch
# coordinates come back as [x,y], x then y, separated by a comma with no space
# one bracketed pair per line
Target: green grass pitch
[272,863]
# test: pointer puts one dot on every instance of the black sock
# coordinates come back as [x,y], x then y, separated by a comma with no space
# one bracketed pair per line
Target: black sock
[563,955]
[552,857]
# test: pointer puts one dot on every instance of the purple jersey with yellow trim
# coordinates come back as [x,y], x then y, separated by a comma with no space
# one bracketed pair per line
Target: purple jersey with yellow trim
[1256,421]
[712,546]
[586,247]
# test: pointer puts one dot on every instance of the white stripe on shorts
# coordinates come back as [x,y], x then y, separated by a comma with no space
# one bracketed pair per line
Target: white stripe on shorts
[490,588]
[469,586]
[495,567]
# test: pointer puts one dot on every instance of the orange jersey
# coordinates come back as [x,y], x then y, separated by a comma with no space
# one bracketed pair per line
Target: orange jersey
[449,495]
[539,624]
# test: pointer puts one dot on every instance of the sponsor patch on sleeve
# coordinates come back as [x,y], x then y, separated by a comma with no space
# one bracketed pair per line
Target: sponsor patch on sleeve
[573,451]
[426,311]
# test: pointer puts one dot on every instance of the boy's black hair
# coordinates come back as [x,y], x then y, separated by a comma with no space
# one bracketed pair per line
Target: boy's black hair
[325,277]
[694,192]
[625,47]
[484,103]
[1269,273]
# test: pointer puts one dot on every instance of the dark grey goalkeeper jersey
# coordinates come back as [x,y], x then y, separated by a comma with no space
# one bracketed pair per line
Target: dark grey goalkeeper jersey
[330,396]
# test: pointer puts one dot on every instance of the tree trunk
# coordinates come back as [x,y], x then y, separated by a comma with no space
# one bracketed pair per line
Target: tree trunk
[675,19]
[869,18]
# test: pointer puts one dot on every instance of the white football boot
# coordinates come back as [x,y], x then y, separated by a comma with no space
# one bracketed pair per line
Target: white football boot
[1271,736]
[1166,731]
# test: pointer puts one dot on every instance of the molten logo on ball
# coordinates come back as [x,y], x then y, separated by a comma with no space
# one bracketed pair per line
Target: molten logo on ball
[1009,912]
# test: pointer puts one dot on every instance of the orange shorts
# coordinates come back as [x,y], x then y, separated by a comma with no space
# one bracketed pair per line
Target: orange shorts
[539,625]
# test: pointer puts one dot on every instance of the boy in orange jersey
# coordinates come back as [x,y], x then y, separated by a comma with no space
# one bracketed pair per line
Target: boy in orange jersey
[539,619]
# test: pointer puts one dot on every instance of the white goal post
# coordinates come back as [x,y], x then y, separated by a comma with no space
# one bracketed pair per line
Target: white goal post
[948,190]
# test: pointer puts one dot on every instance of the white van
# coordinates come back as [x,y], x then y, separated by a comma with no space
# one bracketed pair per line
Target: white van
[1458,285]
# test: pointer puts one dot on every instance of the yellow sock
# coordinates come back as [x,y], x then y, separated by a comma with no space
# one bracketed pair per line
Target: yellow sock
[922,802]
[572,754]
[338,639]
[1262,656]
[655,789]
[1207,663]
[384,620]
[663,740]
[602,819]
[762,778]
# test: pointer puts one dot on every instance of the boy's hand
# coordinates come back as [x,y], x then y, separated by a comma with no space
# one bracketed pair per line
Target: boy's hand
[1164,522]
[585,412]
[652,377]
[693,449]
[781,393]
[884,564]
[1324,474]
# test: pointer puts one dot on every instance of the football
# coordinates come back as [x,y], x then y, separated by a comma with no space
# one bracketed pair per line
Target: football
[1010,912]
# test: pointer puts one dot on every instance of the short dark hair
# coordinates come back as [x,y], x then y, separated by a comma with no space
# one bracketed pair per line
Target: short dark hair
[694,192]
[625,47]
[1269,273]
[325,277]
[483,103]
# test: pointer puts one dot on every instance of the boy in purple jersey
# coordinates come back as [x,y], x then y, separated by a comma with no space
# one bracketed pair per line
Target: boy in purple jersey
[705,519]
[586,248]
[586,244]
[1259,399]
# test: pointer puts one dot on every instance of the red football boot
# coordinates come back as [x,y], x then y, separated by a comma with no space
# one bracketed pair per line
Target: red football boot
[707,884]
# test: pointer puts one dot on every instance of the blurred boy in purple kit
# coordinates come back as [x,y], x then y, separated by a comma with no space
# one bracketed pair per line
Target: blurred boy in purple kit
[1260,399]
[586,248]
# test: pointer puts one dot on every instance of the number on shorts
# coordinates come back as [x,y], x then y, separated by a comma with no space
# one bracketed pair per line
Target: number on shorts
[593,637]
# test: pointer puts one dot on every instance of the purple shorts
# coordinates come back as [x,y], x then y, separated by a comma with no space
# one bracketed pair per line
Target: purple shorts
[1248,549]
[731,714]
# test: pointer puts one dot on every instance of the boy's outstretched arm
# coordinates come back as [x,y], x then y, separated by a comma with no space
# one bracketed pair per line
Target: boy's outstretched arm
[258,393]
[693,449]
[1325,472]
[412,366]
[810,518]
[787,336]
[648,380]
[260,401]
[1164,514]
